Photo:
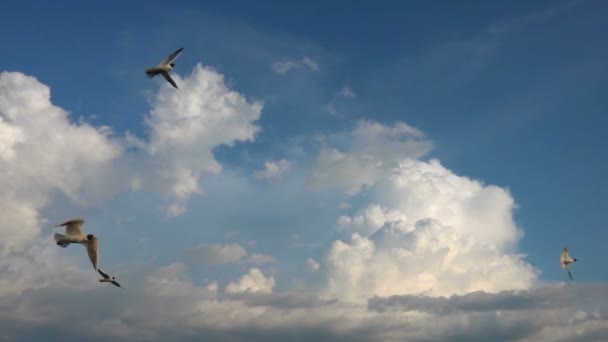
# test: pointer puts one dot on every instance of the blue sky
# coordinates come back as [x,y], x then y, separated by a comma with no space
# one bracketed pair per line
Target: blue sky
[511,95]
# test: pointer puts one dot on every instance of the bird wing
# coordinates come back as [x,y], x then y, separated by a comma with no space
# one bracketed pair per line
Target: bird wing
[169,79]
[92,251]
[172,56]
[105,276]
[570,275]
[115,283]
[564,256]
[72,227]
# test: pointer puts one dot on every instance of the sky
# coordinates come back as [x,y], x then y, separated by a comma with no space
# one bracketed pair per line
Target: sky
[326,170]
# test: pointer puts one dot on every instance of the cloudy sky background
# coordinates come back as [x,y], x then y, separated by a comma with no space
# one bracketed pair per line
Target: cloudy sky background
[382,171]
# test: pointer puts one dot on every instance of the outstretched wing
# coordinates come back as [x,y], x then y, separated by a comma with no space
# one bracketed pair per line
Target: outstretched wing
[172,56]
[72,227]
[92,251]
[169,79]
[115,283]
[105,276]
[570,275]
[564,256]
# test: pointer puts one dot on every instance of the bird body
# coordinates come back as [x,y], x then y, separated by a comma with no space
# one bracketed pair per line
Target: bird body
[108,279]
[565,260]
[73,234]
[164,67]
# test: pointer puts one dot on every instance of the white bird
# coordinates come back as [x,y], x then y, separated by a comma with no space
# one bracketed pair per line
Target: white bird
[73,234]
[566,260]
[164,67]
[108,279]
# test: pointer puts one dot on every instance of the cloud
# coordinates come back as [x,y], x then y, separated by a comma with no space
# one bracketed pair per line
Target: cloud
[231,253]
[283,67]
[217,254]
[366,154]
[261,259]
[345,92]
[306,63]
[547,297]
[253,282]
[435,233]
[281,300]
[273,169]
[43,153]
[312,265]
[310,63]
[184,128]
[422,258]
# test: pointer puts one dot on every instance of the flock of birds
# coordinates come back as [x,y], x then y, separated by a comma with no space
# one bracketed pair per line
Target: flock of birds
[73,228]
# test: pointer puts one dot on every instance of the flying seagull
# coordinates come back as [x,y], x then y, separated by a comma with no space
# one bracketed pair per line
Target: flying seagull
[164,67]
[566,260]
[108,279]
[73,234]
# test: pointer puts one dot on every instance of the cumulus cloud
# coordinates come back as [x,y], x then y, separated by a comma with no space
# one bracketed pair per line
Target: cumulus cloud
[273,169]
[422,258]
[184,128]
[253,282]
[366,154]
[423,245]
[435,233]
[306,63]
[42,152]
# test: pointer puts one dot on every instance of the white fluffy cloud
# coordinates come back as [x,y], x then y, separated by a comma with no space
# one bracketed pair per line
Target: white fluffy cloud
[425,232]
[253,282]
[185,126]
[273,169]
[436,233]
[42,152]
[366,154]
[425,258]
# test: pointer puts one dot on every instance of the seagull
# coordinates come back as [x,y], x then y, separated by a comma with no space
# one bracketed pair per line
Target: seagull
[73,234]
[164,67]
[108,279]
[566,260]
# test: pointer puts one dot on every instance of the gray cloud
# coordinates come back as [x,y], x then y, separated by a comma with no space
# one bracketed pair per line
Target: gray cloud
[281,300]
[545,297]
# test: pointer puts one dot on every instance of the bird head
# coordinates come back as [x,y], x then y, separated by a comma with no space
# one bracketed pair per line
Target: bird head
[90,237]
[575,259]
[172,65]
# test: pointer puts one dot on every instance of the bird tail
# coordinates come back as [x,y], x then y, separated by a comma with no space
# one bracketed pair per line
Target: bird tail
[61,240]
